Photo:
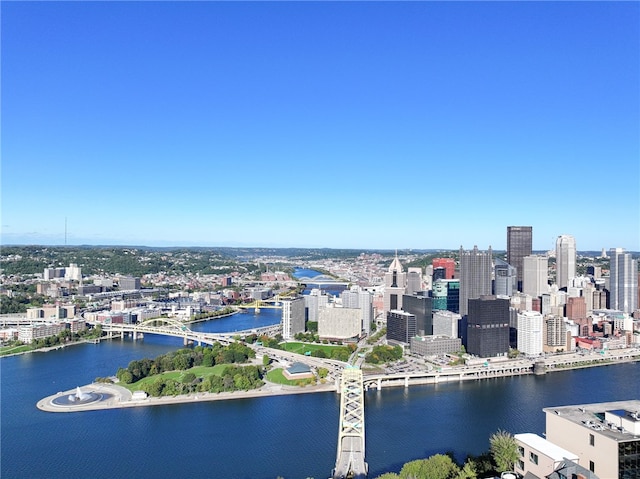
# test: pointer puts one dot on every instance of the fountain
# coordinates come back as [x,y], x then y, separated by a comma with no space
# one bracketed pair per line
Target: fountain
[80,398]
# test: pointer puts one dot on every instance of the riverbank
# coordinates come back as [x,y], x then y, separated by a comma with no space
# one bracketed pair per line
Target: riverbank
[57,346]
[119,397]
[115,397]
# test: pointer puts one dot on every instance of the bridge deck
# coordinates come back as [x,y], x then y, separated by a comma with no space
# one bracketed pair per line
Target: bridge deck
[351,437]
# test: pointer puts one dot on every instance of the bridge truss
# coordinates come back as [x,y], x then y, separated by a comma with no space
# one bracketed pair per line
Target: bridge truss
[350,461]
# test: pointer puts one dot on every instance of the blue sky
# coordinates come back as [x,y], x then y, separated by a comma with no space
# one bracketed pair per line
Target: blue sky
[320,124]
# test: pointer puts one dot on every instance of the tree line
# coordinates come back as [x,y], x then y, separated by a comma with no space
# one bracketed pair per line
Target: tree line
[501,457]
[232,377]
[384,354]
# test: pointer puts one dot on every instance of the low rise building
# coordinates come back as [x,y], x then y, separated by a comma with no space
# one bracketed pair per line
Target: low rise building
[604,436]
[28,334]
[434,345]
[539,456]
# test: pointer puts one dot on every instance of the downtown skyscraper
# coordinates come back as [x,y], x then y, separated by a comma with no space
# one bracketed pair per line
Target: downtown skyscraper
[475,275]
[623,281]
[519,244]
[565,260]
[535,275]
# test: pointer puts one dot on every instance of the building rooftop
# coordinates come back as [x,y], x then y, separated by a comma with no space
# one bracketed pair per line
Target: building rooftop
[618,420]
[545,447]
[298,368]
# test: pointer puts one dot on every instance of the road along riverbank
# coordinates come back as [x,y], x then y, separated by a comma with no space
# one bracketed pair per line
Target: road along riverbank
[112,396]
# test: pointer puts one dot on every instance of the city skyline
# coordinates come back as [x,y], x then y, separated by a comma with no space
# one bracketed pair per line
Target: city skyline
[282,124]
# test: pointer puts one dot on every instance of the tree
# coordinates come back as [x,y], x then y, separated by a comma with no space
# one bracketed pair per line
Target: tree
[483,464]
[468,471]
[504,450]
[266,360]
[126,377]
[180,361]
[439,466]
[156,387]
[207,358]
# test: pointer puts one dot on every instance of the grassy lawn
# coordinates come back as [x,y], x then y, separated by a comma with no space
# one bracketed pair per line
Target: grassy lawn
[276,376]
[199,371]
[14,349]
[302,348]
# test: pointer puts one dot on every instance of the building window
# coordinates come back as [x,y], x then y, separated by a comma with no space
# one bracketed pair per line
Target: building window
[533,458]
[521,465]
[592,466]
[592,440]
[521,451]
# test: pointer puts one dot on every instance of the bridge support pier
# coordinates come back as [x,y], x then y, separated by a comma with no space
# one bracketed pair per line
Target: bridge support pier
[185,341]
[379,385]
[406,381]
[135,336]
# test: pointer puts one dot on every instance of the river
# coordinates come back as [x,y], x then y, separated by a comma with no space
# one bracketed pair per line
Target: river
[289,436]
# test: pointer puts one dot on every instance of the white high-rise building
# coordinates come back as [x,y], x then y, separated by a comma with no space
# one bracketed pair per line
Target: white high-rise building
[395,286]
[623,281]
[339,323]
[530,333]
[445,323]
[292,317]
[73,272]
[414,280]
[535,277]
[565,260]
[359,298]
[315,301]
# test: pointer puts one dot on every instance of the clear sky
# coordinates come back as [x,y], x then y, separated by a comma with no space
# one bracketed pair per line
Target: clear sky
[320,124]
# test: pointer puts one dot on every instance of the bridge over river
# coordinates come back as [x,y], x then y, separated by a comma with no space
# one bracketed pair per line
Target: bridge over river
[175,328]
[350,461]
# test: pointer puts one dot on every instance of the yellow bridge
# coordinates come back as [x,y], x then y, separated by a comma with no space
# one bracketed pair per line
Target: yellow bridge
[271,303]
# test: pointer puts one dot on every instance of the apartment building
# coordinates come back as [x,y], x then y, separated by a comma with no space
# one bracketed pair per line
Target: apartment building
[604,436]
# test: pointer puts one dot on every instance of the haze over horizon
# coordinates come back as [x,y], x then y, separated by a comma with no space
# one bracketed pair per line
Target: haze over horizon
[356,125]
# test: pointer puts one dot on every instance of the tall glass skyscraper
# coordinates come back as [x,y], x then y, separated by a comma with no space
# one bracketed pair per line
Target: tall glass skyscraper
[475,275]
[519,244]
[565,260]
[623,281]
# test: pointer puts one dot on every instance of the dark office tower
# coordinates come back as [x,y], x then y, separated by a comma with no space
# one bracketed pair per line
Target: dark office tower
[519,241]
[449,264]
[475,275]
[488,326]
[453,295]
[439,273]
[401,326]
[421,307]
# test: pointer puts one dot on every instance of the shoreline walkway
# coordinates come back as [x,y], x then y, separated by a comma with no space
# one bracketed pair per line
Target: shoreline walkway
[119,397]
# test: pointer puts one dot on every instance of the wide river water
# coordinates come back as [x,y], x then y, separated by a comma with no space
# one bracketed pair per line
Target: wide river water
[289,436]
